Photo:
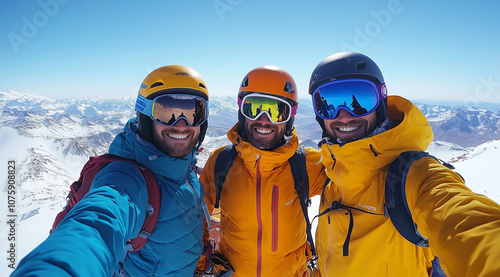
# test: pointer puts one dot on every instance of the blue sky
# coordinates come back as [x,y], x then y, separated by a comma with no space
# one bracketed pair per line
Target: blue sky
[426,50]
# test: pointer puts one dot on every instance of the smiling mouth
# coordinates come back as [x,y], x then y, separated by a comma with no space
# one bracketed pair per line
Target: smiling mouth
[263,131]
[178,136]
[348,129]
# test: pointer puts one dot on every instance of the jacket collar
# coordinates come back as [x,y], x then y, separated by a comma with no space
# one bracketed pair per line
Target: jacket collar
[269,160]
[359,161]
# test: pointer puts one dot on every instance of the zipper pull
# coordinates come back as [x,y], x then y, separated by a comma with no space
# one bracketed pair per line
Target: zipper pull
[257,160]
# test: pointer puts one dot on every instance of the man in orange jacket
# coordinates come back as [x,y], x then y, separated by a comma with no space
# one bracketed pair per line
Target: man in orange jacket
[364,131]
[263,231]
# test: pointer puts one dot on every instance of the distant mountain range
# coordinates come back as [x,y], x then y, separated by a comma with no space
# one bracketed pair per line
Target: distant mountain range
[465,126]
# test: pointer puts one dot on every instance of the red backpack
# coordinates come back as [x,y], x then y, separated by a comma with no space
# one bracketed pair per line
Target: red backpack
[79,188]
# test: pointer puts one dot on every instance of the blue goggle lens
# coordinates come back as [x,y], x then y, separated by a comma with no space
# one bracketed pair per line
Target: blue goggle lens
[357,96]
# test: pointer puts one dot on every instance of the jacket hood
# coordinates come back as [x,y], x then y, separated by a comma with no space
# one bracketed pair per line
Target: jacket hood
[410,131]
[130,145]
[269,159]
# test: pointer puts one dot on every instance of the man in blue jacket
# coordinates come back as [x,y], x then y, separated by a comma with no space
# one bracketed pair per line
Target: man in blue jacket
[91,239]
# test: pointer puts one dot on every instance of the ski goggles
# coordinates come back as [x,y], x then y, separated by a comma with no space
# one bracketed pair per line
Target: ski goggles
[278,110]
[168,109]
[359,97]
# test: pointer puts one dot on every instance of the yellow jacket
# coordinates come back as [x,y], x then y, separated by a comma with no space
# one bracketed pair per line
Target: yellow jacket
[463,228]
[263,231]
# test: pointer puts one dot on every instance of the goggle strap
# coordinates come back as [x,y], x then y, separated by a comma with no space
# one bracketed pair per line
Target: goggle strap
[143,105]
[294,111]
[382,91]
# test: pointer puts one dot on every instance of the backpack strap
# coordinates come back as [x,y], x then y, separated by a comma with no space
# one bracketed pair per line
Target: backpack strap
[397,205]
[395,197]
[154,200]
[299,171]
[153,211]
[301,180]
[223,163]
[82,186]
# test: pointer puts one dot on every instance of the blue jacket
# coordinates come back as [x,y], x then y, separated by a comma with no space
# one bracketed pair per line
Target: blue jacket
[90,240]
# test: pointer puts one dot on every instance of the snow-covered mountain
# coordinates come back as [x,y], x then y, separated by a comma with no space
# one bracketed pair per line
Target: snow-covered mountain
[465,126]
[50,139]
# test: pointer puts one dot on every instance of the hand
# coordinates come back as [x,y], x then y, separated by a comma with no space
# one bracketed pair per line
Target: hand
[219,266]
[204,260]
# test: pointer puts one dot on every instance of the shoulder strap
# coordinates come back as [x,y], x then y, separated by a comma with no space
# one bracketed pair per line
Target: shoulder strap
[301,180]
[81,187]
[297,162]
[153,211]
[223,163]
[397,206]
[154,201]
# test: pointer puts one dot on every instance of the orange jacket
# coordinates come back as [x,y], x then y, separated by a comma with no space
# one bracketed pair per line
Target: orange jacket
[463,228]
[263,231]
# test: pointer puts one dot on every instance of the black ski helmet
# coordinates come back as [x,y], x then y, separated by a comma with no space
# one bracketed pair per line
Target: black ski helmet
[348,65]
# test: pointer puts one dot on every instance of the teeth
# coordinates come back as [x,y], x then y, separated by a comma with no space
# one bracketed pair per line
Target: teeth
[178,136]
[263,131]
[348,129]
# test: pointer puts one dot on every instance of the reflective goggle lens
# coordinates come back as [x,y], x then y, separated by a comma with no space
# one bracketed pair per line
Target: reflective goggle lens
[278,110]
[168,109]
[357,96]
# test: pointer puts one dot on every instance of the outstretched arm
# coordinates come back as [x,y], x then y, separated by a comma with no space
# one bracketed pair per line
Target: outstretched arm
[90,240]
[463,228]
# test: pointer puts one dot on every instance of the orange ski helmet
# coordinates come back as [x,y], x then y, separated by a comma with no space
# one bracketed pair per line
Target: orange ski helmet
[272,80]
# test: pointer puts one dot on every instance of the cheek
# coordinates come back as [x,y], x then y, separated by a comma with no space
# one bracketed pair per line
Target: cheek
[327,124]
[197,131]
[157,128]
[282,128]
[372,121]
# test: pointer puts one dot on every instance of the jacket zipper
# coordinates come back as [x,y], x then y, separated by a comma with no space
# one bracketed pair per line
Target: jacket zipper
[274,213]
[259,219]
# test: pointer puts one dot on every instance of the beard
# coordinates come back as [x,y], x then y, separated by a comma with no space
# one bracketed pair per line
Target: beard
[175,148]
[264,141]
[364,128]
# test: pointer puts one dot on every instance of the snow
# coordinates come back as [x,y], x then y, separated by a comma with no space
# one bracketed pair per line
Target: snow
[480,169]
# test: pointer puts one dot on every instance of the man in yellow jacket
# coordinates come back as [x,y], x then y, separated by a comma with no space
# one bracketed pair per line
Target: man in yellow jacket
[263,231]
[364,131]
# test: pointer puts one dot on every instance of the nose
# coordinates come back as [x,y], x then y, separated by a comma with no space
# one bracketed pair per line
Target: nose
[344,115]
[181,124]
[264,117]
